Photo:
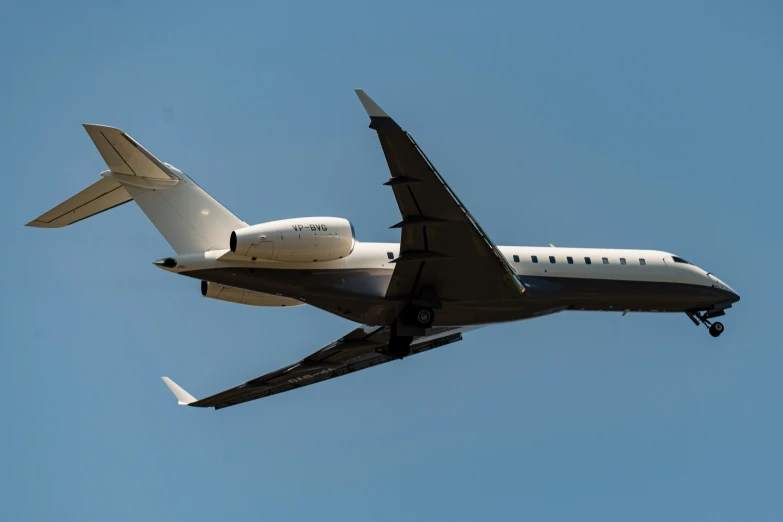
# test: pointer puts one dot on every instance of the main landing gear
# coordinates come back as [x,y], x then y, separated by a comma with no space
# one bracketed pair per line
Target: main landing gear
[412,321]
[422,317]
[715,328]
[399,345]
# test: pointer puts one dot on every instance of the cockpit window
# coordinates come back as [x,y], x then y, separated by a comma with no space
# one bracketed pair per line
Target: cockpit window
[680,260]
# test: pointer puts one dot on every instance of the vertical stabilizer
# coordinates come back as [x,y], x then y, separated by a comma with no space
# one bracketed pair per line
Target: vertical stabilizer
[190,219]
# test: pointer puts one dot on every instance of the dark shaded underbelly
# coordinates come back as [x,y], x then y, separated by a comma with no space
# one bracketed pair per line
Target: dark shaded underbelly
[359,295]
[645,296]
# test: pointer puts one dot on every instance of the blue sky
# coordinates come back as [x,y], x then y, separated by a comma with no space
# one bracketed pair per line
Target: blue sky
[580,124]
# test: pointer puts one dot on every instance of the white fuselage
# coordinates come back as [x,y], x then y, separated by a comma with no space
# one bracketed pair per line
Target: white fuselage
[605,263]
[653,266]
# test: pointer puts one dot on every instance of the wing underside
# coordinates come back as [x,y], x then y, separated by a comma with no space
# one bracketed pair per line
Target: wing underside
[360,349]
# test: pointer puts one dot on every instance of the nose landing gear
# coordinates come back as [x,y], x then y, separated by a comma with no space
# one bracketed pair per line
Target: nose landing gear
[699,318]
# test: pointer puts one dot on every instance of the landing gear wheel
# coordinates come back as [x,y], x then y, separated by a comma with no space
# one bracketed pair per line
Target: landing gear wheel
[399,345]
[424,317]
[716,329]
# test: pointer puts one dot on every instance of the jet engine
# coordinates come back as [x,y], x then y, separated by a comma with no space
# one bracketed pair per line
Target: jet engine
[298,239]
[246,297]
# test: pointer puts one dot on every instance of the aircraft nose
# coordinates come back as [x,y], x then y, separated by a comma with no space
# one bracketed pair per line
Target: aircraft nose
[731,295]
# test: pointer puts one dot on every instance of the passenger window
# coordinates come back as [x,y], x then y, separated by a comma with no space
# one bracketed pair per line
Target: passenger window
[570,260]
[587,261]
[516,258]
[642,262]
[552,259]
[622,260]
[605,260]
[534,258]
[389,255]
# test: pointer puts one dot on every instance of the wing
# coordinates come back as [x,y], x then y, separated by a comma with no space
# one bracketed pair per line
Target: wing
[360,349]
[442,246]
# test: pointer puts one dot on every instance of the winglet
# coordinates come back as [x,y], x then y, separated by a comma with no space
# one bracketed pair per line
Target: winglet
[370,106]
[183,397]
[378,117]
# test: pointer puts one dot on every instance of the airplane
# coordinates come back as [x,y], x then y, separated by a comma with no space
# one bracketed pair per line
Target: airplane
[445,277]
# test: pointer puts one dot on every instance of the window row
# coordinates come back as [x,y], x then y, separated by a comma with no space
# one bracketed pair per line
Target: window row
[588,261]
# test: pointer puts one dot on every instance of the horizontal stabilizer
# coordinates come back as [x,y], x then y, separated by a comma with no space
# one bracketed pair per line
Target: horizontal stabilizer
[124,155]
[183,397]
[98,197]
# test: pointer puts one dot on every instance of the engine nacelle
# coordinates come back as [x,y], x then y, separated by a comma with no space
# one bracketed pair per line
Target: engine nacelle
[298,239]
[246,297]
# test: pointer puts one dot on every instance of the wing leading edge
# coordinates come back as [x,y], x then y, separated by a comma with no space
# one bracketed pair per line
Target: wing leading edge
[360,349]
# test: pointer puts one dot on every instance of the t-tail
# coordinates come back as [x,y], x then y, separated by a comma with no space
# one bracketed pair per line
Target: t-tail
[190,219]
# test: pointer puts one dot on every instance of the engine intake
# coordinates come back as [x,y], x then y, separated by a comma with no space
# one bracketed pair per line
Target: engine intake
[296,240]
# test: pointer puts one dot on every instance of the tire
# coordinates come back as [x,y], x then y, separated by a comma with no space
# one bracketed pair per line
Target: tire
[400,347]
[716,329]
